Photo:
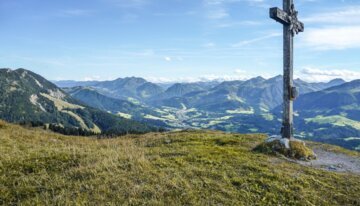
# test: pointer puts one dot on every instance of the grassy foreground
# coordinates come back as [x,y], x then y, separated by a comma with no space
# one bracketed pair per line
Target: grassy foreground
[180,168]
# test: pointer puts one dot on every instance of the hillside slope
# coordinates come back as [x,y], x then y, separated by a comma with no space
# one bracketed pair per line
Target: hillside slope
[94,99]
[331,115]
[178,168]
[128,88]
[28,97]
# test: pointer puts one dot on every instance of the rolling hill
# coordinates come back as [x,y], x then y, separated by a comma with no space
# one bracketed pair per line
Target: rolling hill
[175,168]
[29,98]
[97,100]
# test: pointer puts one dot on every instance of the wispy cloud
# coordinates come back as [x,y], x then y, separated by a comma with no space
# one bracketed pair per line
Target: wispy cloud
[75,12]
[259,3]
[217,9]
[251,41]
[311,74]
[238,23]
[217,13]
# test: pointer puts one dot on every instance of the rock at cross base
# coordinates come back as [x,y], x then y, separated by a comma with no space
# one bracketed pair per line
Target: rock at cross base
[291,148]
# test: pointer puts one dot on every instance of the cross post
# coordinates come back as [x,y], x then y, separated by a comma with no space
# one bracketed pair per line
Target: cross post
[288,17]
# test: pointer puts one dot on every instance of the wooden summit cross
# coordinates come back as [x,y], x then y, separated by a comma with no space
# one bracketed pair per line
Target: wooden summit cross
[292,26]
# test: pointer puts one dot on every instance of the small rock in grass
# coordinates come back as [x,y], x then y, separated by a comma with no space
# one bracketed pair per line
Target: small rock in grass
[332,167]
[291,148]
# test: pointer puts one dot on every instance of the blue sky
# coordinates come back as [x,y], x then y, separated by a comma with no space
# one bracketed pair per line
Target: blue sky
[176,40]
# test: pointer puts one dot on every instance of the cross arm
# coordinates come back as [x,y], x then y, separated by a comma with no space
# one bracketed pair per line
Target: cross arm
[279,15]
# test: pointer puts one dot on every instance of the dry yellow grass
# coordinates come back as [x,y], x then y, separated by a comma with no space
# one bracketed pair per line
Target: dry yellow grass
[61,104]
[180,168]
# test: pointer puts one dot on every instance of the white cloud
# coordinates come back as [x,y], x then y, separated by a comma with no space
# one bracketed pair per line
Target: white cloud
[321,75]
[237,75]
[93,78]
[341,30]
[348,15]
[333,38]
[209,45]
[168,59]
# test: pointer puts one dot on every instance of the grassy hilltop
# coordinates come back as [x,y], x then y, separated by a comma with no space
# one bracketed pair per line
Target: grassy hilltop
[178,168]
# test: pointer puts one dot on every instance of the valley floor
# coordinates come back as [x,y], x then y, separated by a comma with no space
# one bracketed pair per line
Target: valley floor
[177,168]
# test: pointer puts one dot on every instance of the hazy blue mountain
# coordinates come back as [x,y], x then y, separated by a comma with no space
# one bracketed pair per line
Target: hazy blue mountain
[165,85]
[130,87]
[148,90]
[338,101]
[325,85]
[220,98]
[180,89]
[339,98]
[91,97]
[256,95]
[173,96]
[28,97]
[204,84]
[72,83]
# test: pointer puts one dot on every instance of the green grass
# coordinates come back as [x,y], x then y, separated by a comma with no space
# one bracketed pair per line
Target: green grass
[178,168]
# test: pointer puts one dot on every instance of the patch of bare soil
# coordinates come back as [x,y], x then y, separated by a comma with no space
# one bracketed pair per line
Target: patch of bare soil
[332,161]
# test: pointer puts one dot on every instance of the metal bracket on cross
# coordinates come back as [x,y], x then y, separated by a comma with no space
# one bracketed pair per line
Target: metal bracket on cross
[289,18]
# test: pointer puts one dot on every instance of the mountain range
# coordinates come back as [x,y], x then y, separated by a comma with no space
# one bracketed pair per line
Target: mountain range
[327,112]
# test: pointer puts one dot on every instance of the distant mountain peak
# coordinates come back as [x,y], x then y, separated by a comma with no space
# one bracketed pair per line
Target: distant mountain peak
[134,79]
[258,78]
[276,78]
[255,80]
[337,81]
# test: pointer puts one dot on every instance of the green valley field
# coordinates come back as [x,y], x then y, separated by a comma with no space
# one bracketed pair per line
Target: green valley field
[38,167]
